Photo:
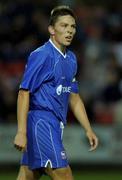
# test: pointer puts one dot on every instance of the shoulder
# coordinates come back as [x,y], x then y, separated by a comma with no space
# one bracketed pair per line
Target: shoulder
[72,56]
[40,55]
[73,60]
[41,51]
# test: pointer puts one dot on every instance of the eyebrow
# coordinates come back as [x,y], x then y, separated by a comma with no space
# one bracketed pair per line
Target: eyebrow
[68,24]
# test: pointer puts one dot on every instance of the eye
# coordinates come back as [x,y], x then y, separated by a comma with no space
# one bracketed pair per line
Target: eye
[74,26]
[64,25]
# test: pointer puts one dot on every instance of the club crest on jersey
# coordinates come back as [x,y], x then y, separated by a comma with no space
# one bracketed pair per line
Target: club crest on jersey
[63,155]
[63,89]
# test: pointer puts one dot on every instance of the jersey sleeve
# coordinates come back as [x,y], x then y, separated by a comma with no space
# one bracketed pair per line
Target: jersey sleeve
[36,72]
[74,86]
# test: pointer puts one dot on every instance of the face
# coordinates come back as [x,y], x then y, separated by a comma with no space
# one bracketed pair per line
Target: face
[63,31]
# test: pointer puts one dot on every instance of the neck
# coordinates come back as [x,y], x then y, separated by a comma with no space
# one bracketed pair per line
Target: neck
[62,48]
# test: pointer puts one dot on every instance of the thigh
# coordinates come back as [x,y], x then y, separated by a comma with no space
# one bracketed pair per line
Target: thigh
[60,173]
[26,174]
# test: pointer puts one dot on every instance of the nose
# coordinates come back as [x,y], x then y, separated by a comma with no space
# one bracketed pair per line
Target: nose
[70,31]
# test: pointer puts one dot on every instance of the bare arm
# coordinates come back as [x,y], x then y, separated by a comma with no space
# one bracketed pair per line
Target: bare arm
[22,111]
[79,111]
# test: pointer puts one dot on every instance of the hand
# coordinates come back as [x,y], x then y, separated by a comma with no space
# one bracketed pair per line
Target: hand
[20,141]
[93,140]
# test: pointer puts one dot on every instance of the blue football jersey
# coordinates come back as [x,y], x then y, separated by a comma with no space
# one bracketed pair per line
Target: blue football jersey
[50,77]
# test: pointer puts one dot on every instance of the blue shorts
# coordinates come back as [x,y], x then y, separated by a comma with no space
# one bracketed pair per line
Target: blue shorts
[44,141]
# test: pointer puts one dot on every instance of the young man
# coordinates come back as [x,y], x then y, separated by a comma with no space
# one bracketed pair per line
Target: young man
[47,87]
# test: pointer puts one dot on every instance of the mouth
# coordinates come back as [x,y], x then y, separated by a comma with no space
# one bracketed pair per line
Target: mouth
[68,38]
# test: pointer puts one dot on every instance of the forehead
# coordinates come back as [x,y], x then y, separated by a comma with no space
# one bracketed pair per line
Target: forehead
[66,19]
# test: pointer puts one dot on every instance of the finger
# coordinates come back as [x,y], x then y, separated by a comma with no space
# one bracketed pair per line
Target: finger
[18,147]
[92,148]
[93,144]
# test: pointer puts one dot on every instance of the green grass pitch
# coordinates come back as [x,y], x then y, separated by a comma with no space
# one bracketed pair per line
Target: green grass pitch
[79,175]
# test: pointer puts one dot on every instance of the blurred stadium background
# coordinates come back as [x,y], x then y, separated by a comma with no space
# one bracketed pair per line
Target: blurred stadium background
[98,47]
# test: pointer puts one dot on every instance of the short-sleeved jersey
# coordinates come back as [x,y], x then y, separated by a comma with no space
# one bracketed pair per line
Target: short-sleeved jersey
[50,77]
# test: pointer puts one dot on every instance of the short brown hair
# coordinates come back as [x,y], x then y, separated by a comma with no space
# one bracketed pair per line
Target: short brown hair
[60,11]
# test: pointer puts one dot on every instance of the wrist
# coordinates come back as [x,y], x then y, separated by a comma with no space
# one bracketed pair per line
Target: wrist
[21,132]
[88,129]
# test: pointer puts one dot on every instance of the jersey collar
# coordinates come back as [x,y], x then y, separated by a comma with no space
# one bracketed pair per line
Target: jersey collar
[64,55]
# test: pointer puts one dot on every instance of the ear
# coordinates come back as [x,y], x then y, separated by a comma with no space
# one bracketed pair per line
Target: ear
[51,30]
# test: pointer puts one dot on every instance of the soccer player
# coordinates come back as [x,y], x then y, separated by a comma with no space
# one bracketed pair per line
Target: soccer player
[47,87]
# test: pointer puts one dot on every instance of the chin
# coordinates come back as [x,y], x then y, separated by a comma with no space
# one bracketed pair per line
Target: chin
[67,43]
